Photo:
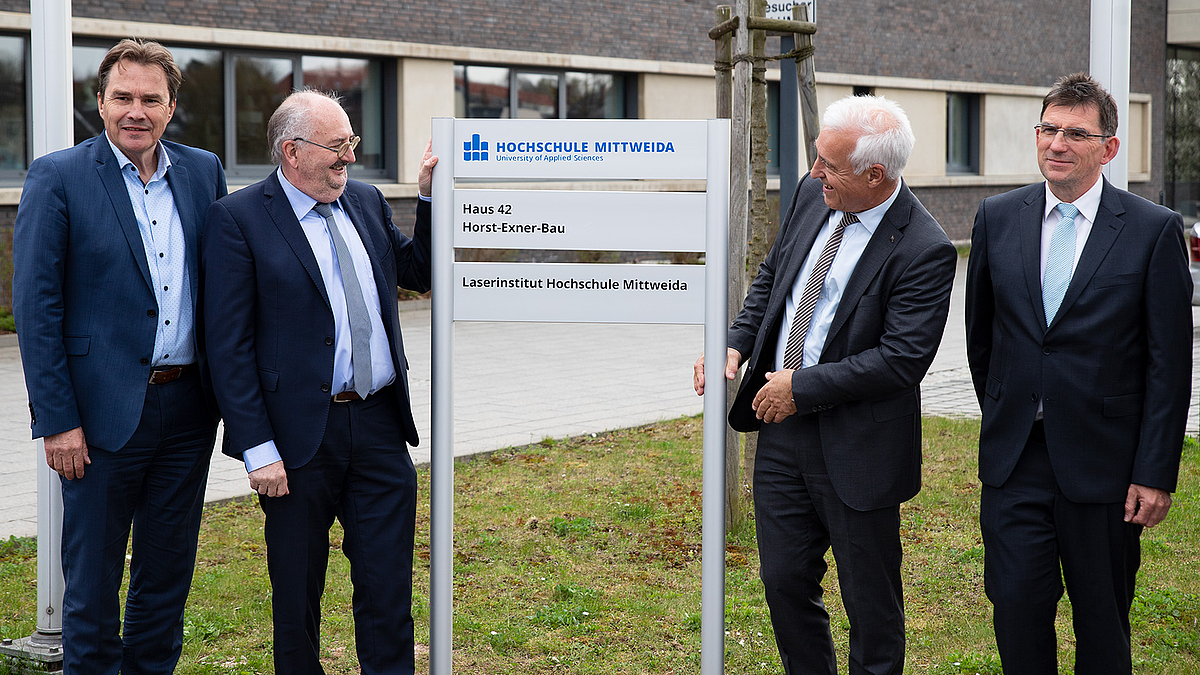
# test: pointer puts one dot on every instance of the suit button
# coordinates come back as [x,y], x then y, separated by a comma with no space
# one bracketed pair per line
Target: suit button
[151,313]
[325,387]
[1033,397]
[1046,351]
[329,341]
[144,361]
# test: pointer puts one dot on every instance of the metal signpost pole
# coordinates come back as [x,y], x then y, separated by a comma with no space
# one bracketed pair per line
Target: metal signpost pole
[1109,64]
[716,276]
[441,489]
[50,51]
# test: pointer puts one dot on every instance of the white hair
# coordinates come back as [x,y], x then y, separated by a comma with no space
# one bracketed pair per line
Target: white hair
[884,135]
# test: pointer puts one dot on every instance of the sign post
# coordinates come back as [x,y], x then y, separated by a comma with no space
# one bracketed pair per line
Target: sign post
[577,150]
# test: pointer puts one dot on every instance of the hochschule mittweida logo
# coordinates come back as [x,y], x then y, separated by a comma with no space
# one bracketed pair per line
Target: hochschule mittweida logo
[475,150]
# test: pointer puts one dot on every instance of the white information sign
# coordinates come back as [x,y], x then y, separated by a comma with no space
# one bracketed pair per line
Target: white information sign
[579,293]
[580,149]
[579,221]
[782,9]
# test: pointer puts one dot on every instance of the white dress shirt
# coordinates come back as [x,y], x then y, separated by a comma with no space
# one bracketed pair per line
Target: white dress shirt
[854,242]
[1088,204]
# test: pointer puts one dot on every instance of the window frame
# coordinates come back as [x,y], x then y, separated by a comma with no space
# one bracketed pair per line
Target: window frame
[972,119]
[623,81]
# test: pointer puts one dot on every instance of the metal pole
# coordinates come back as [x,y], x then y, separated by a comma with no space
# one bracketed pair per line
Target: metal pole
[712,562]
[789,122]
[441,488]
[1109,64]
[53,127]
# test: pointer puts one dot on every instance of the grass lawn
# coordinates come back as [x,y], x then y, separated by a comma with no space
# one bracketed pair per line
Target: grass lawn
[583,556]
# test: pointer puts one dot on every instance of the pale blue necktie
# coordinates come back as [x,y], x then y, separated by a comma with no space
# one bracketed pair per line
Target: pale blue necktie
[1060,261]
[356,306]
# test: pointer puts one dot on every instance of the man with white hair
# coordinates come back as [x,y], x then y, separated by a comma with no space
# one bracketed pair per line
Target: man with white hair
[840,325]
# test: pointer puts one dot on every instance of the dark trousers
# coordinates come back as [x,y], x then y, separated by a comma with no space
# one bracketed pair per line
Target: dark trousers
[1029,530]
[156,484]
[798,517]
[362,475]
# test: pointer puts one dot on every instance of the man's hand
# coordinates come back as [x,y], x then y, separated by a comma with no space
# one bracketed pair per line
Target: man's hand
[1146,505]
[774,401]
[67,453]
[733,359]
[425,177]
[269,480]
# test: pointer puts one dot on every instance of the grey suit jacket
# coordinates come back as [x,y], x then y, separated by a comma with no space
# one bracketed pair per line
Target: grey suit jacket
[1113,370]
[865,390]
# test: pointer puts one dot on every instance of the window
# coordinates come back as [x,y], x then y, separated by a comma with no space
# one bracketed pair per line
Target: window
[228,96]
[490,91]
[14,139]
[962,133]
[1182,181]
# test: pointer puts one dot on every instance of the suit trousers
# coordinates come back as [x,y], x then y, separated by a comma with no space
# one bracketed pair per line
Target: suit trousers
[363,475]
[156,484]
[799,516]
[1029,529]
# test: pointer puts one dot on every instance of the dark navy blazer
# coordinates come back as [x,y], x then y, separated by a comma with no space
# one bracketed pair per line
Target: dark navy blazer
[82,294]
[1114,369]
[269,325]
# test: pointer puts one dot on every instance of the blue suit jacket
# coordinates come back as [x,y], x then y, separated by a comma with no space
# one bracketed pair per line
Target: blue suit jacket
[1113,370]
[865,390]
[82,296]
[269,326]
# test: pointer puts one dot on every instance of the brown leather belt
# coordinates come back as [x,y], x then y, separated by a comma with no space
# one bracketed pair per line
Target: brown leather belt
[167,374]
[346,396]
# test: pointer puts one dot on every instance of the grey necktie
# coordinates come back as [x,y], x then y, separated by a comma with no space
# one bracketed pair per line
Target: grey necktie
[356,307]
[793,354]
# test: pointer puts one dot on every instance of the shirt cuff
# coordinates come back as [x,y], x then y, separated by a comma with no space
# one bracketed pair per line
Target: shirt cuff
[260,455]
[424,198]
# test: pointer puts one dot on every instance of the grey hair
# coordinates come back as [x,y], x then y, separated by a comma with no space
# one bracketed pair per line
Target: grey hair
[885,136]
[291,119]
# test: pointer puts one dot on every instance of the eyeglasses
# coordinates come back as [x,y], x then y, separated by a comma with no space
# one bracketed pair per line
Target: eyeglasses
[1072,134]
[341,150]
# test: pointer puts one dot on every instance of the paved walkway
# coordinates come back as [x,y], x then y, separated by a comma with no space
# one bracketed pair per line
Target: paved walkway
[513,384]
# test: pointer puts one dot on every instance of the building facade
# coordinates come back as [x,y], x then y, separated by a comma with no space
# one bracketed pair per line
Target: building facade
[970,74]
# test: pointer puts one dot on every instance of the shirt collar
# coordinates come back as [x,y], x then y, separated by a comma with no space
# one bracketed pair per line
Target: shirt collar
[301,203]
[1088,204]
[872,217]
[164,160]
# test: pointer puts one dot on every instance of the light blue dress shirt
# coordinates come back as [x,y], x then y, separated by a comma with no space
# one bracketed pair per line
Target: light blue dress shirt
[166,257]
[854,242]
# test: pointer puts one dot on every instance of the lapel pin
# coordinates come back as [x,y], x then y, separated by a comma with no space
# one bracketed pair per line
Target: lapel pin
[893,238]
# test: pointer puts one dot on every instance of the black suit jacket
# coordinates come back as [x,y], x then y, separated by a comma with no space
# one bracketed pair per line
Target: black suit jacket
[865,389]
[1113,370]
[271,327]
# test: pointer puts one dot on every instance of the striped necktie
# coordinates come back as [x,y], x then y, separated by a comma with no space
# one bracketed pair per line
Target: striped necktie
[793,355]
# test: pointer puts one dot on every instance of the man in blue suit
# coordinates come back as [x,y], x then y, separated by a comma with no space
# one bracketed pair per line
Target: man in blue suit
[104,293]
[300,274]
[1079,338]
